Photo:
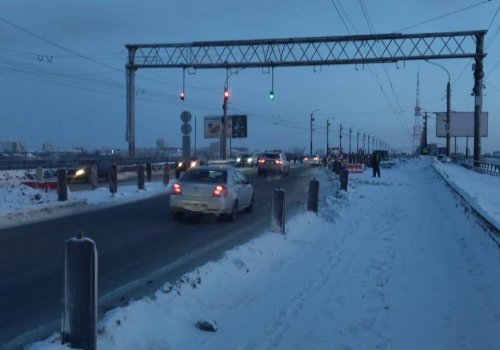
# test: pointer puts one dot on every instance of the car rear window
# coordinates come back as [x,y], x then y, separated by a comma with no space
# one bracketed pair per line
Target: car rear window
[204,175]
[271,155]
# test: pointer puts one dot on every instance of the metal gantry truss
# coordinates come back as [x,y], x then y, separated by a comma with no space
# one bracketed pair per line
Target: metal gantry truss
[314,51]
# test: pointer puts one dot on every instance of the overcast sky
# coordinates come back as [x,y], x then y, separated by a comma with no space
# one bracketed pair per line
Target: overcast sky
[49,93]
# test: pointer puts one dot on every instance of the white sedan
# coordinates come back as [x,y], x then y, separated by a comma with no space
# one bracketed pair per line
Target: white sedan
[212,190]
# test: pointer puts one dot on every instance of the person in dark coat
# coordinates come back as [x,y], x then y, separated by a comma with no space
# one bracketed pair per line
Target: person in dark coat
[375,163]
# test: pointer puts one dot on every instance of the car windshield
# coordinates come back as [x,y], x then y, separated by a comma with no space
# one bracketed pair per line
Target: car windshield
[205,175]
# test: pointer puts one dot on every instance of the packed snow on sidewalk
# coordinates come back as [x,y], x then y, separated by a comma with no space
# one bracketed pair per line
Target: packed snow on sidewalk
[395,263]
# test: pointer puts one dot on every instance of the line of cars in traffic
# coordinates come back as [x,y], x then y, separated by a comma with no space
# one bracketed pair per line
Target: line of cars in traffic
[222,191]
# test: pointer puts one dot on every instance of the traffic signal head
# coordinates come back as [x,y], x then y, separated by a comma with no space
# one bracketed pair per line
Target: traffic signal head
[182,95]
[271,95]
[226,94]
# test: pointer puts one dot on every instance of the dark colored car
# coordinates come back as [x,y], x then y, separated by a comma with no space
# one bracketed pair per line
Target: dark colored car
[81,170]
[244,160]
[181,167]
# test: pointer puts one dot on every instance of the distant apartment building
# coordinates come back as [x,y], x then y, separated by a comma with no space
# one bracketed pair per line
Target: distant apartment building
[46,146]
[162,144]
[11,146]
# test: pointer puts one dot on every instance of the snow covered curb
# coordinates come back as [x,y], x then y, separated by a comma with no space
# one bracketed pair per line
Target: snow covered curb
[471,201]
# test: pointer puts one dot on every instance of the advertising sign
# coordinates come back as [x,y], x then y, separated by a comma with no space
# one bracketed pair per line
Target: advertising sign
[239,126]
[213,127]
[236,127]
[461,124]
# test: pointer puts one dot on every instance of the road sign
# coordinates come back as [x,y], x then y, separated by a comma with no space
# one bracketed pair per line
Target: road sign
[186,128]
[186,117]
[239,126]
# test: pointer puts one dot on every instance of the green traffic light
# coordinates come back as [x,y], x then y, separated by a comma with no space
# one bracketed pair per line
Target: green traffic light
[271,95]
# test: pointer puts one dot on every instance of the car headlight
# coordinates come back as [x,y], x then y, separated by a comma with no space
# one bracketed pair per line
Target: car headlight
[238,159]
[80,172]
[179,165]
[193,164]
[249,159]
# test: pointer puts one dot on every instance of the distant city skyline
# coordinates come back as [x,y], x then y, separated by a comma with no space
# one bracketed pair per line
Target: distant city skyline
[63,72]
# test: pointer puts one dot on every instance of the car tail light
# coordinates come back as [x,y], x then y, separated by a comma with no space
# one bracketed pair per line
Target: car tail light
[305,158]
[220,191]
[176,188]
[261,160]
[279,161]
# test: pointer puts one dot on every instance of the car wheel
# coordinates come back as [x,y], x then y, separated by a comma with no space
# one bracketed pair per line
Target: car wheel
[249,209]
[178,215]
[234,212]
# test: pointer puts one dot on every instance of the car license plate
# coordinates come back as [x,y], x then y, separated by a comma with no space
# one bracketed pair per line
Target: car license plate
[196,206]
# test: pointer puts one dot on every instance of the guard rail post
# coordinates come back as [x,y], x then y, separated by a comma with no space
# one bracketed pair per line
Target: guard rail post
[313,196]
[149,171]
[113,179]
[166,174]
[278,211]
[344,178]
[62,185]
[39,174]
[140,177]
[79,323]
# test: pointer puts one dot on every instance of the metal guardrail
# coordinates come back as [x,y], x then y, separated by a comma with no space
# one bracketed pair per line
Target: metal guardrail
[483,168]
[54,163]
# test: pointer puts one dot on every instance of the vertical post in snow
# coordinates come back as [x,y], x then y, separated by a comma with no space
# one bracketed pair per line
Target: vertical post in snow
[79,323]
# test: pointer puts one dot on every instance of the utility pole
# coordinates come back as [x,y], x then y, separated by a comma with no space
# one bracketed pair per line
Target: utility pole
[195,135]
[311,128]
[364,135]
[223,147]
[327,135]
[425,130]
[340,133]
[350,133]
[478,97]
[448,117]
[368,144]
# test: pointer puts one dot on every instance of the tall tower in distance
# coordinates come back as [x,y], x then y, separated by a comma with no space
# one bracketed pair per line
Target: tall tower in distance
[418,115]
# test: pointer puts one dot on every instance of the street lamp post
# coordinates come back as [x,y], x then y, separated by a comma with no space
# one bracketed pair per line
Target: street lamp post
[312,119]
[340,135]
[448,110]
[357,145]
[327,135]
[368,144]
[364,135]
[350,133]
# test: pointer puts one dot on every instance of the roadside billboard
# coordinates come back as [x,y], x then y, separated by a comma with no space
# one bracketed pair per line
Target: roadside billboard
[236,126]
[461,124]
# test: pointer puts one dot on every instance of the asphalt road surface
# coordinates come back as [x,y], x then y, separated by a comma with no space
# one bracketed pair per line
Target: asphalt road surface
[140,248]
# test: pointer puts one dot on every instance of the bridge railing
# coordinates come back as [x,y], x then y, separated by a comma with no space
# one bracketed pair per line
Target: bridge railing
[483,168]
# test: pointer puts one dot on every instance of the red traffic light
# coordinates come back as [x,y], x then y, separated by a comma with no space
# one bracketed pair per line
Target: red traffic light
[182,95]
[226,94]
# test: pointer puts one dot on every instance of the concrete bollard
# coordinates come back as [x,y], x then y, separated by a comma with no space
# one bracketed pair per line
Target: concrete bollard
[93,176]
[79,320]
[337,166]
[313,196]
[166,174]
[344,178]
[149,172]
[39,174]
[278,211]
[62,185]
[113,179]
[140,177]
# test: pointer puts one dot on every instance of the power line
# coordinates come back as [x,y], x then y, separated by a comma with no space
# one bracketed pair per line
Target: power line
[442,16]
